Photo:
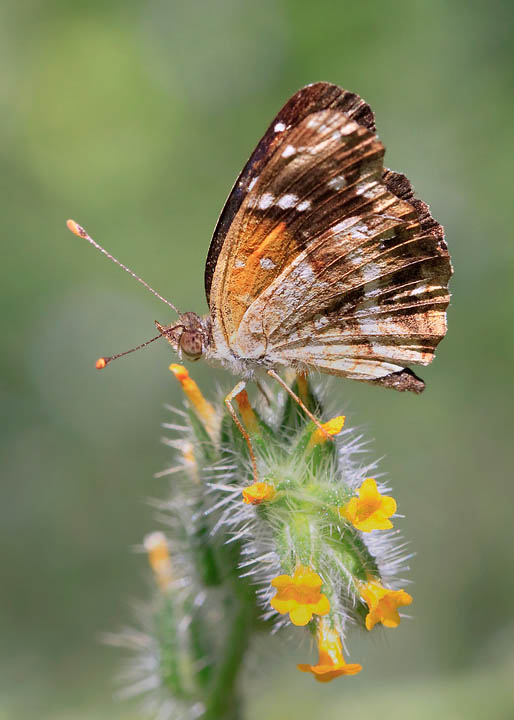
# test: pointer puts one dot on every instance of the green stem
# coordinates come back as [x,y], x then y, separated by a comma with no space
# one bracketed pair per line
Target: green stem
[223,701]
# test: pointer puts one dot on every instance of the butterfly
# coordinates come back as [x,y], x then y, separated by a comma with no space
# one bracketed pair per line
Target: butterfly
[322,259]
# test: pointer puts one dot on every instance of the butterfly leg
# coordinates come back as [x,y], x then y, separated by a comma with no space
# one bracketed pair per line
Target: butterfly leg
[295,397]
[264,392]
[228,403]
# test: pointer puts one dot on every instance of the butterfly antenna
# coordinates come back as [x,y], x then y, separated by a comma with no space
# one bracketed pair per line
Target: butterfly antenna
[78,230]
[102,362]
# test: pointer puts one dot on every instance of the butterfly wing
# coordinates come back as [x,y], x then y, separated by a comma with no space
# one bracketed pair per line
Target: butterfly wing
[323,259]
[303,103]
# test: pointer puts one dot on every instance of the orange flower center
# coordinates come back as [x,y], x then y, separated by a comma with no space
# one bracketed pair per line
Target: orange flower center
[367,507]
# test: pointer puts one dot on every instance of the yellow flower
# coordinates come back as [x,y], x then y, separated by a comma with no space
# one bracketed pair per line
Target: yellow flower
[156,546]
[300,595]
[332,427]
[202,407]
[383,604]
[371,510]
[258,492]
[331,663]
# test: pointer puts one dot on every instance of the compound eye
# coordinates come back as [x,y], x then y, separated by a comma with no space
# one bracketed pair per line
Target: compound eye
[191,344]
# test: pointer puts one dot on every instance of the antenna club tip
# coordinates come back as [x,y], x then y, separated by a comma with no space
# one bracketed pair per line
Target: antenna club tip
[76,229]
[101,363]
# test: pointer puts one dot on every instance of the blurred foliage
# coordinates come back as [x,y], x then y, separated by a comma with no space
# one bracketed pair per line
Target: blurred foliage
[134,118]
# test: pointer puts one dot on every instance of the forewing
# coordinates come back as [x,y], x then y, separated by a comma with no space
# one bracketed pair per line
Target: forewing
[310,99]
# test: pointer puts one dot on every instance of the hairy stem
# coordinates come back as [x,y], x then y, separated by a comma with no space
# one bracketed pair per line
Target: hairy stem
[223,700]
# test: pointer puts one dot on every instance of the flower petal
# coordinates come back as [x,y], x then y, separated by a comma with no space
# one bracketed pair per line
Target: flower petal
[282,581]
[282,606]
[388,505]
[368,491]
[300,615]
[322,607]
[306,577]
[374,522]
[326,673]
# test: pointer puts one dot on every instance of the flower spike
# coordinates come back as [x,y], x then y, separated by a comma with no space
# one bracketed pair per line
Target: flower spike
[235,533]
[331,663]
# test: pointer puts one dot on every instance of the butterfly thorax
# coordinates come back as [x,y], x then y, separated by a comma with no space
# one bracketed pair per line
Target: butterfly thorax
[193,339]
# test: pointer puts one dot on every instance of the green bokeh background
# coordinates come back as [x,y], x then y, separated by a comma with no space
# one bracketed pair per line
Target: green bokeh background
[134,118]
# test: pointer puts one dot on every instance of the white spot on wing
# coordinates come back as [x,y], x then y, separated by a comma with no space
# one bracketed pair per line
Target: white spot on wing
[290,150]
[373,289]
[266,201]
[287,201]
[359,233]
[358,255]
[384,326]
[373,192]
[306,273]
[239,263]
[370,271]
[267,263]
[305,205]
[252,182]
[279,127]
[349,128]
[368,326]
[320,321]
[337,182]
[423,288]
[344,224]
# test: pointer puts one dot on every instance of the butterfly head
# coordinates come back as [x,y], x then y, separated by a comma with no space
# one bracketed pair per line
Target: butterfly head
[189,337]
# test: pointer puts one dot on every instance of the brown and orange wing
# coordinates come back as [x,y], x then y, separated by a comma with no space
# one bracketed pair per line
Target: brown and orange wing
[328,260]
[305,102]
